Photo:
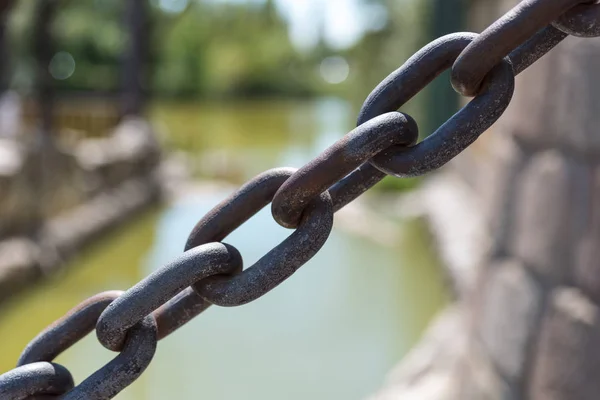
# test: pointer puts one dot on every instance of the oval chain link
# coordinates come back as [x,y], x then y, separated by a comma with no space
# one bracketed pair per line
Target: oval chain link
[161,286]
[582,20]
[339,160]
[460,130]
[35,379]
[501,38]
[124,369]
[279,263]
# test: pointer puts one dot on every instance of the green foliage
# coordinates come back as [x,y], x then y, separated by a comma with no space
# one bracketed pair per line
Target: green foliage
[228,50]
[383,51]
[90,30]
[214,50]
[393,184]
[232,50]
[209,50]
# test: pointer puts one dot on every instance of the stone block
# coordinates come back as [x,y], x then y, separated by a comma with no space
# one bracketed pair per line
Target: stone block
[481,381]
[568,358]
[498,189]
[541,236]
[575,119]
[529,117]
[587,265]
[512,306]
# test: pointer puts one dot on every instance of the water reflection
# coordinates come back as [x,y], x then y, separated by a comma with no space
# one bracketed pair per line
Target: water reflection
[331,331]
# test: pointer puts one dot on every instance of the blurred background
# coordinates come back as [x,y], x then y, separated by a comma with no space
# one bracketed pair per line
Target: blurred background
[126,121]
[122,122]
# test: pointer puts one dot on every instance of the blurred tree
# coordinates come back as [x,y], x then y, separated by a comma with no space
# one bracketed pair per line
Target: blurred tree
[208,49]
[43,47]
[410,25]
[446,16]
[89,31]
[381,51]
[228,50]
[135,56]
[214,49]
[5,8]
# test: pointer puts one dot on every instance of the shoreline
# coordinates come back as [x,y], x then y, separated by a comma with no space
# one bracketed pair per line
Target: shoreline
[26,261]
[440,202]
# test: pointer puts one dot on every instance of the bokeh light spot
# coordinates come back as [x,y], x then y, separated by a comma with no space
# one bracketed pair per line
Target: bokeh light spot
[62,65]
[334,69]
[173,6]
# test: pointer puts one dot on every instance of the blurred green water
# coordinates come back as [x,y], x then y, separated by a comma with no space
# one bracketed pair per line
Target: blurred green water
[331,331]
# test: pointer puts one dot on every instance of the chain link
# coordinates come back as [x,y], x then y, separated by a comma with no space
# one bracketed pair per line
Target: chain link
[501,38]
[339,160]
[136,353]
[162,285]
[460,130]
[582,20]
[38,378]
[279,263]
[210,272]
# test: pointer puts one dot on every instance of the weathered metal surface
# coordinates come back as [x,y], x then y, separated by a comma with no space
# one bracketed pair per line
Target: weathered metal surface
[109,380]
[239,207]
[122,370]
[279,263]
[215,226]
[162,285]
[339,160]
[460,130]
[353,185]
[38,378]
[501,38]
[535,47]
[179,311]
[582,20]
[68,330]
[210,272]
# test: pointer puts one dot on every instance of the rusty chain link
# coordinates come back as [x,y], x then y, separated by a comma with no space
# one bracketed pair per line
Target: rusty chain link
[108,381]
[209,272]
[37,378]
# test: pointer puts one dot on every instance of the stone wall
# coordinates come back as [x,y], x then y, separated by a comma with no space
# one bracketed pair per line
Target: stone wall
[55,201]
[38,184]
[536,319]
[529,328]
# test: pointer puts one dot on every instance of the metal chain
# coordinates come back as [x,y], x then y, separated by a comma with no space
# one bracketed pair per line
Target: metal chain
[210,272]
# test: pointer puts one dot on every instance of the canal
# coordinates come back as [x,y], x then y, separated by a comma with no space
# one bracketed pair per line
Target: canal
[332,331]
